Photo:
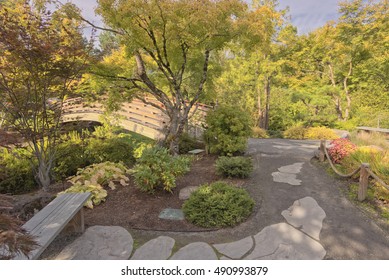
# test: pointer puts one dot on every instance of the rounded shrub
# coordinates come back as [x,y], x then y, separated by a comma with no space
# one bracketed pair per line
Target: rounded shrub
[321,133]
[258,132]
[240,167]
[295,132]
[341,148]
[228,129]
[218,205]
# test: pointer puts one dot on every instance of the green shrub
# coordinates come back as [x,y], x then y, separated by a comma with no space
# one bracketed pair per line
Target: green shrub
[115,149]
[157,168]
[258,132]
[295,132]
[16,172]
[240,167]
[228,129]
[321,133]
[71,155]
[188,143]
[218,205]
[94,177]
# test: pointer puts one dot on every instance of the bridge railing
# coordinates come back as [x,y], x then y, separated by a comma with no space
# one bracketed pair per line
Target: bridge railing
[151,119]
[364,172]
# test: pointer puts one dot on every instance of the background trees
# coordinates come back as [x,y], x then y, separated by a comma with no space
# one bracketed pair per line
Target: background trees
[42,54]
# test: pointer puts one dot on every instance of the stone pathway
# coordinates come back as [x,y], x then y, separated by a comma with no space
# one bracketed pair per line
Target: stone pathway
[297,238]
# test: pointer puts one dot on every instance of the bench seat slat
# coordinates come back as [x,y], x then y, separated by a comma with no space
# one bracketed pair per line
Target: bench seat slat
[48,222]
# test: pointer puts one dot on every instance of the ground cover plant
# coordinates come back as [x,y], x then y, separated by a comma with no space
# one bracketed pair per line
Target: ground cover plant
[218,205]
[96,176]
[240,167]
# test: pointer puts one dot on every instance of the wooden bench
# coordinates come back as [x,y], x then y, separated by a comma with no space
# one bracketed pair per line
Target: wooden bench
[373,129]
[52,219]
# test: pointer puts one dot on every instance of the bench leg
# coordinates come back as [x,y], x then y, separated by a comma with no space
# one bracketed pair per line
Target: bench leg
[77,223]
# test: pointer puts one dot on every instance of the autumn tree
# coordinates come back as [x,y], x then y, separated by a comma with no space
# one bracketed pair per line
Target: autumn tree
[168,46]
[42,54]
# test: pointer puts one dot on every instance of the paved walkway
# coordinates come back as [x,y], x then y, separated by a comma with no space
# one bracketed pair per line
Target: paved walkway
[302,214]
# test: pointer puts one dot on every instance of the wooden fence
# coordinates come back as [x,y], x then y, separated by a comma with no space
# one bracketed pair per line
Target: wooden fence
[135,116]
[364,172]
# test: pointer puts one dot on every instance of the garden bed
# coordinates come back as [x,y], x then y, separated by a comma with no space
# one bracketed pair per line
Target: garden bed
[133,209]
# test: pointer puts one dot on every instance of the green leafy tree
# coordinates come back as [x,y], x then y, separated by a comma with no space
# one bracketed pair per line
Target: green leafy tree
[166,52]
[42,54]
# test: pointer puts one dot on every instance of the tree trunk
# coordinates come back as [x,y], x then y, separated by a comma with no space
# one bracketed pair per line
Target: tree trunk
[267,105]
[178,120]
[43,176]
[347,92]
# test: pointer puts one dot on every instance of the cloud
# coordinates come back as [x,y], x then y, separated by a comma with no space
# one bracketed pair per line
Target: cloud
[308,15]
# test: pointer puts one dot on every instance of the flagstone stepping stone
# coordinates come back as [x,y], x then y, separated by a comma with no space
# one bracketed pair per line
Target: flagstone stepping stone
[287,178]
[100,243]
[306,215]
[282,241]
[288,174]
[293,168]
[186,192]
[195,251]
[237,249]
[172,214]
[159,248]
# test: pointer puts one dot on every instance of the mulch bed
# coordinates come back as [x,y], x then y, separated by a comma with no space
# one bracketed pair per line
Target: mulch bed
[133,209]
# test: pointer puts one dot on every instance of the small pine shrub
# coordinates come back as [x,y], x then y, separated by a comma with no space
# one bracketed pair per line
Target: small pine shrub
[320,133]
[259,132]
[240,167]
[340,148]
[94,177]
[228,129]
[218,205]
[295,132]
[16,171]
[157,168]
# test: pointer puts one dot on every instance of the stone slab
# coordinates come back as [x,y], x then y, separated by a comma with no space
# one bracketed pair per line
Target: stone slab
[172,214]
[286,178]
[237,249]
[159,248]
[186,192]
[196,151]
[306,215]
[294,168]
[100,243]
[195,251]
[282,242]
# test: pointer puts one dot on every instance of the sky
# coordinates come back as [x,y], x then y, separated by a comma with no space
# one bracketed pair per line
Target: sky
[306,15]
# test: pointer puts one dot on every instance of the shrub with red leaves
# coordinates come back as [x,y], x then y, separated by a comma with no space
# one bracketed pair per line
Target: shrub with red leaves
[340,148]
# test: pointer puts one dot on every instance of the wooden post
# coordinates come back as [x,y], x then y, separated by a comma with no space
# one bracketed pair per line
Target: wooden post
[322,154]
[363,182]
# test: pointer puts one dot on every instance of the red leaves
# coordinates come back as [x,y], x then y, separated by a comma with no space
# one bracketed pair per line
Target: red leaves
[340,148]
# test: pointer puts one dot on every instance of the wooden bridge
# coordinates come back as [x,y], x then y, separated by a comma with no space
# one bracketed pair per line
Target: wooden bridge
[134,116]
